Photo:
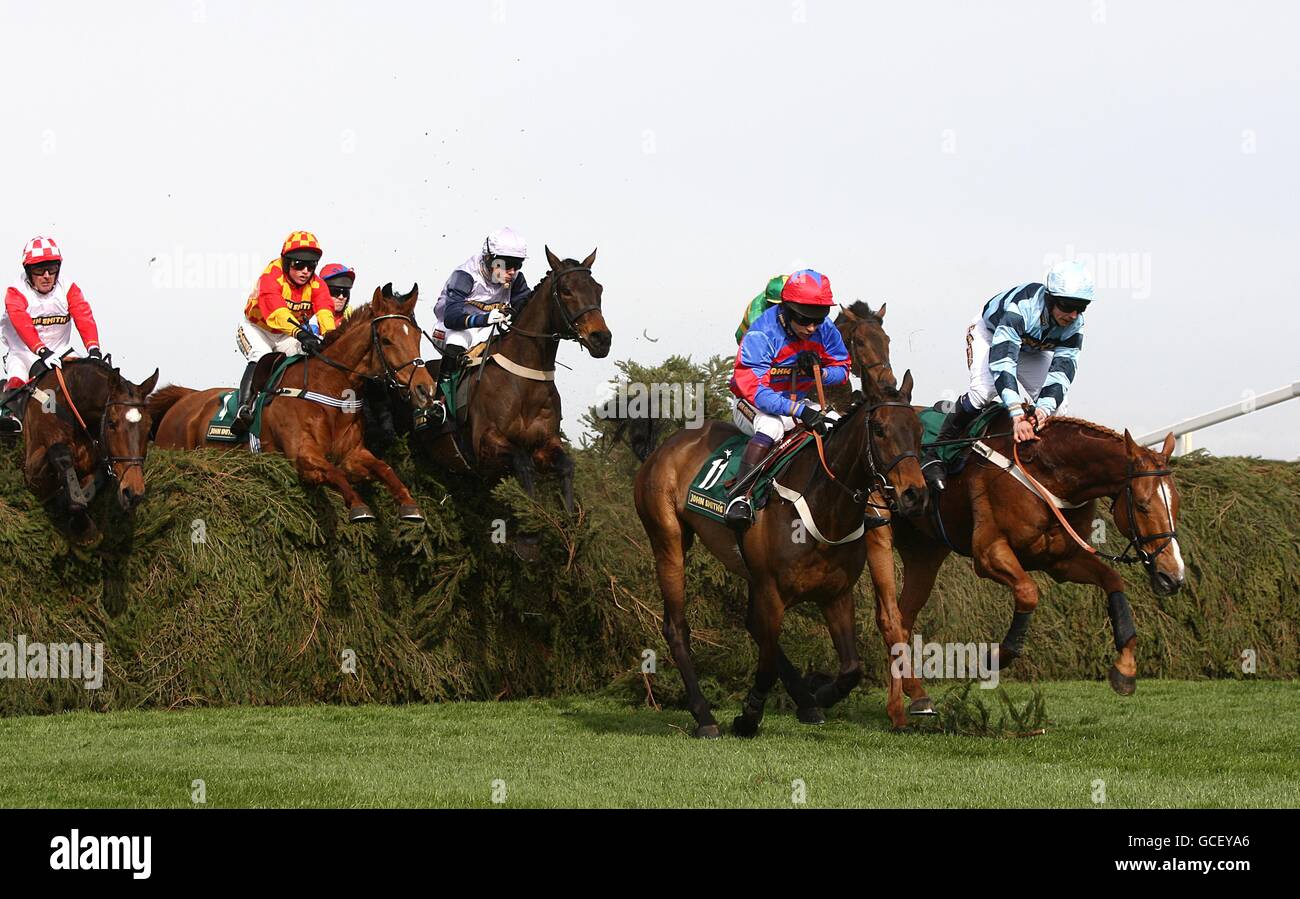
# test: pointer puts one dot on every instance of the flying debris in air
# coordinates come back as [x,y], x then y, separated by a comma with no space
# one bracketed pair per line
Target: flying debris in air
[648,337]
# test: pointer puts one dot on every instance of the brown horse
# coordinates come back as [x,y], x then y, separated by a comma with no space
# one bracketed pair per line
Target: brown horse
[323,439]
[83,425]
[1007,529]
[513,406]
[872,451]
[863,331]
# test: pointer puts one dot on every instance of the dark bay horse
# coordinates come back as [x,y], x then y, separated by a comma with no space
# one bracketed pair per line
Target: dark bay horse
[513,407]
[872,449]
[1008,529]
[324,441]
[85,424]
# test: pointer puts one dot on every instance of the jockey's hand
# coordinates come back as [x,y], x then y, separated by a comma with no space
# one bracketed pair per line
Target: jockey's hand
[804,362]
[815,419]
[1023,429]
[497,317]
[94,353]
[309,342]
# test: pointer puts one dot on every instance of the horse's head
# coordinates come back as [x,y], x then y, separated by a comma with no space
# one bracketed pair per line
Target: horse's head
[574,297]
[892,444]
[395,345]
[863,333]
[1146,511]
[124,433]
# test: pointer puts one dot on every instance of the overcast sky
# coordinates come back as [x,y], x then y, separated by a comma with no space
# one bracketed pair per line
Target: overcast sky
[927,154]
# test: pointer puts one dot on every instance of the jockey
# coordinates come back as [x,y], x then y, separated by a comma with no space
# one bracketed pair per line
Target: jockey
[339,279]
[773,372]
[485,291]
[40,309]
[1028,336]
[276,312]
[761,303]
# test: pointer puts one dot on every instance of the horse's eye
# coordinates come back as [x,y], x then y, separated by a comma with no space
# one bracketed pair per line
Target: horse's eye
[1142,507]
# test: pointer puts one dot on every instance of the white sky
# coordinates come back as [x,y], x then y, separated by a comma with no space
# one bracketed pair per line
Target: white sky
[927,154]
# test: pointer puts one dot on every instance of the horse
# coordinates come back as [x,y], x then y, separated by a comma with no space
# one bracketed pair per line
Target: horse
[871,452]
[512,413]
[1009,528]
[863,331]
[87,424]
[320,433]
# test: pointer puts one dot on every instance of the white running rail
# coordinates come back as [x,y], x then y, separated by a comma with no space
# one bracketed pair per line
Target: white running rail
[1183,430]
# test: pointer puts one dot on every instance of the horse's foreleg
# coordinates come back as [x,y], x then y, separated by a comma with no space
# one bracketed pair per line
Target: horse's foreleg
[889,620]
[1085,568]
[763,620]
[60,456]
[839,621]
[362,463]
[998,561]
[920,568]
[316,471]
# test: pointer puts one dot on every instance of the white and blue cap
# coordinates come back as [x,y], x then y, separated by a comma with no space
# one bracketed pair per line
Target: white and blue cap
[1070,279]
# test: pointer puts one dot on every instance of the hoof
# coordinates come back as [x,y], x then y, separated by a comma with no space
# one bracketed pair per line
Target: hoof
[744,727]
[707,732]
[810,715]
[410,513]
[920,707]
[1006,656]
[360,513]
[1121,683]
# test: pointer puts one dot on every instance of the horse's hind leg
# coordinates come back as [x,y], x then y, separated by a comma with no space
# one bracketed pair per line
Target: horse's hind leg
[1085,568]
[362,463]
[998,561]
[763,620]
[797,686]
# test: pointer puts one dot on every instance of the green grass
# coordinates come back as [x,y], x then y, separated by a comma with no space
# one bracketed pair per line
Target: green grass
[1207,743]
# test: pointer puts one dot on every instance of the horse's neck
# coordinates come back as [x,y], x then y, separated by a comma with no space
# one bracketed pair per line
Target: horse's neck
[1088,465]
[349,352]
[90,389]
[533,352]
[845,459]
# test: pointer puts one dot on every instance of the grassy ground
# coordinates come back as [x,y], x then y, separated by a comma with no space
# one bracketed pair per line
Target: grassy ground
[1209,743]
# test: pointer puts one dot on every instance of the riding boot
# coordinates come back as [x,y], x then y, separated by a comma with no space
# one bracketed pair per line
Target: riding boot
[11,422]
[437,412]
[244,415]
[954,426]
[740,512]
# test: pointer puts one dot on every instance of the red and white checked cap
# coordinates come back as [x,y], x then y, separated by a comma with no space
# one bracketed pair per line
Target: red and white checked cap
[41,249]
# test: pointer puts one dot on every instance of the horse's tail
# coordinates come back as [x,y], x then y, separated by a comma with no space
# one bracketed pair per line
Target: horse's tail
[161,400]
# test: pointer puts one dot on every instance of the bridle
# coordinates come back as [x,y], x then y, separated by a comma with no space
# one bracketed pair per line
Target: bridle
[107,459]
[569,319]
[1135,543]
[391,376]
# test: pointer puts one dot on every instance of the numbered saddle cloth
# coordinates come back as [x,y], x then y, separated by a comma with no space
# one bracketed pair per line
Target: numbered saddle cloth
[219,428]
[708,492]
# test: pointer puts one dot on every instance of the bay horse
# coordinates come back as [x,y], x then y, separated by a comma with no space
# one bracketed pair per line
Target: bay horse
[85,425]
[322,435]
[1007,528]
[872,451]
[513,407]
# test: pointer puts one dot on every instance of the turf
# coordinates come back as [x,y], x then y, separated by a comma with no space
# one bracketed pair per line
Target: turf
[1173,744]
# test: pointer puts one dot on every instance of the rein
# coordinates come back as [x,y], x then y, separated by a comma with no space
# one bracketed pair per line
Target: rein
[391,374]
[570,320]
[1135,542]
[100,443]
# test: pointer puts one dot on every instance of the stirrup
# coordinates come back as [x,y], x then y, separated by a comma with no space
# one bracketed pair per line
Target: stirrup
[242,422]
[935,473]
[739,511]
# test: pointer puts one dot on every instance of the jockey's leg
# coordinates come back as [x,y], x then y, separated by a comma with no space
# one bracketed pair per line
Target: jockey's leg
[11,414]
[255,343]
[979,393]
[766,430]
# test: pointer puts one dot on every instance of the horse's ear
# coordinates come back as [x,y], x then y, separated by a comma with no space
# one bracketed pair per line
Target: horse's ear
[408,304]
[1167,449]
[379,293]
[388,290]
[150,383]
[1130,445]
[551,260]
[590,260]
[880,313]
[905,389]
[846,314]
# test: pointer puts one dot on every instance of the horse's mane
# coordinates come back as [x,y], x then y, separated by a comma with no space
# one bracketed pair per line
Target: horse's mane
[1086,425]
[862,310]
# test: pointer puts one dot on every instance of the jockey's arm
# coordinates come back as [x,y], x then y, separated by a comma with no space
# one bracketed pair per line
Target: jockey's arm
[1004,359]
[456,317]
[834,355]
[16,309]
[270,300]
[752,375]
[323,306]
[1060,375]
[520,293]
[83,317]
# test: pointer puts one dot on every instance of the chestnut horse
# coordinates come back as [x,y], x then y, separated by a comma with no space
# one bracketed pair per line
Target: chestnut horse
[323,440]
[1007,528]
[513,407]
[84,424]
[871,452]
